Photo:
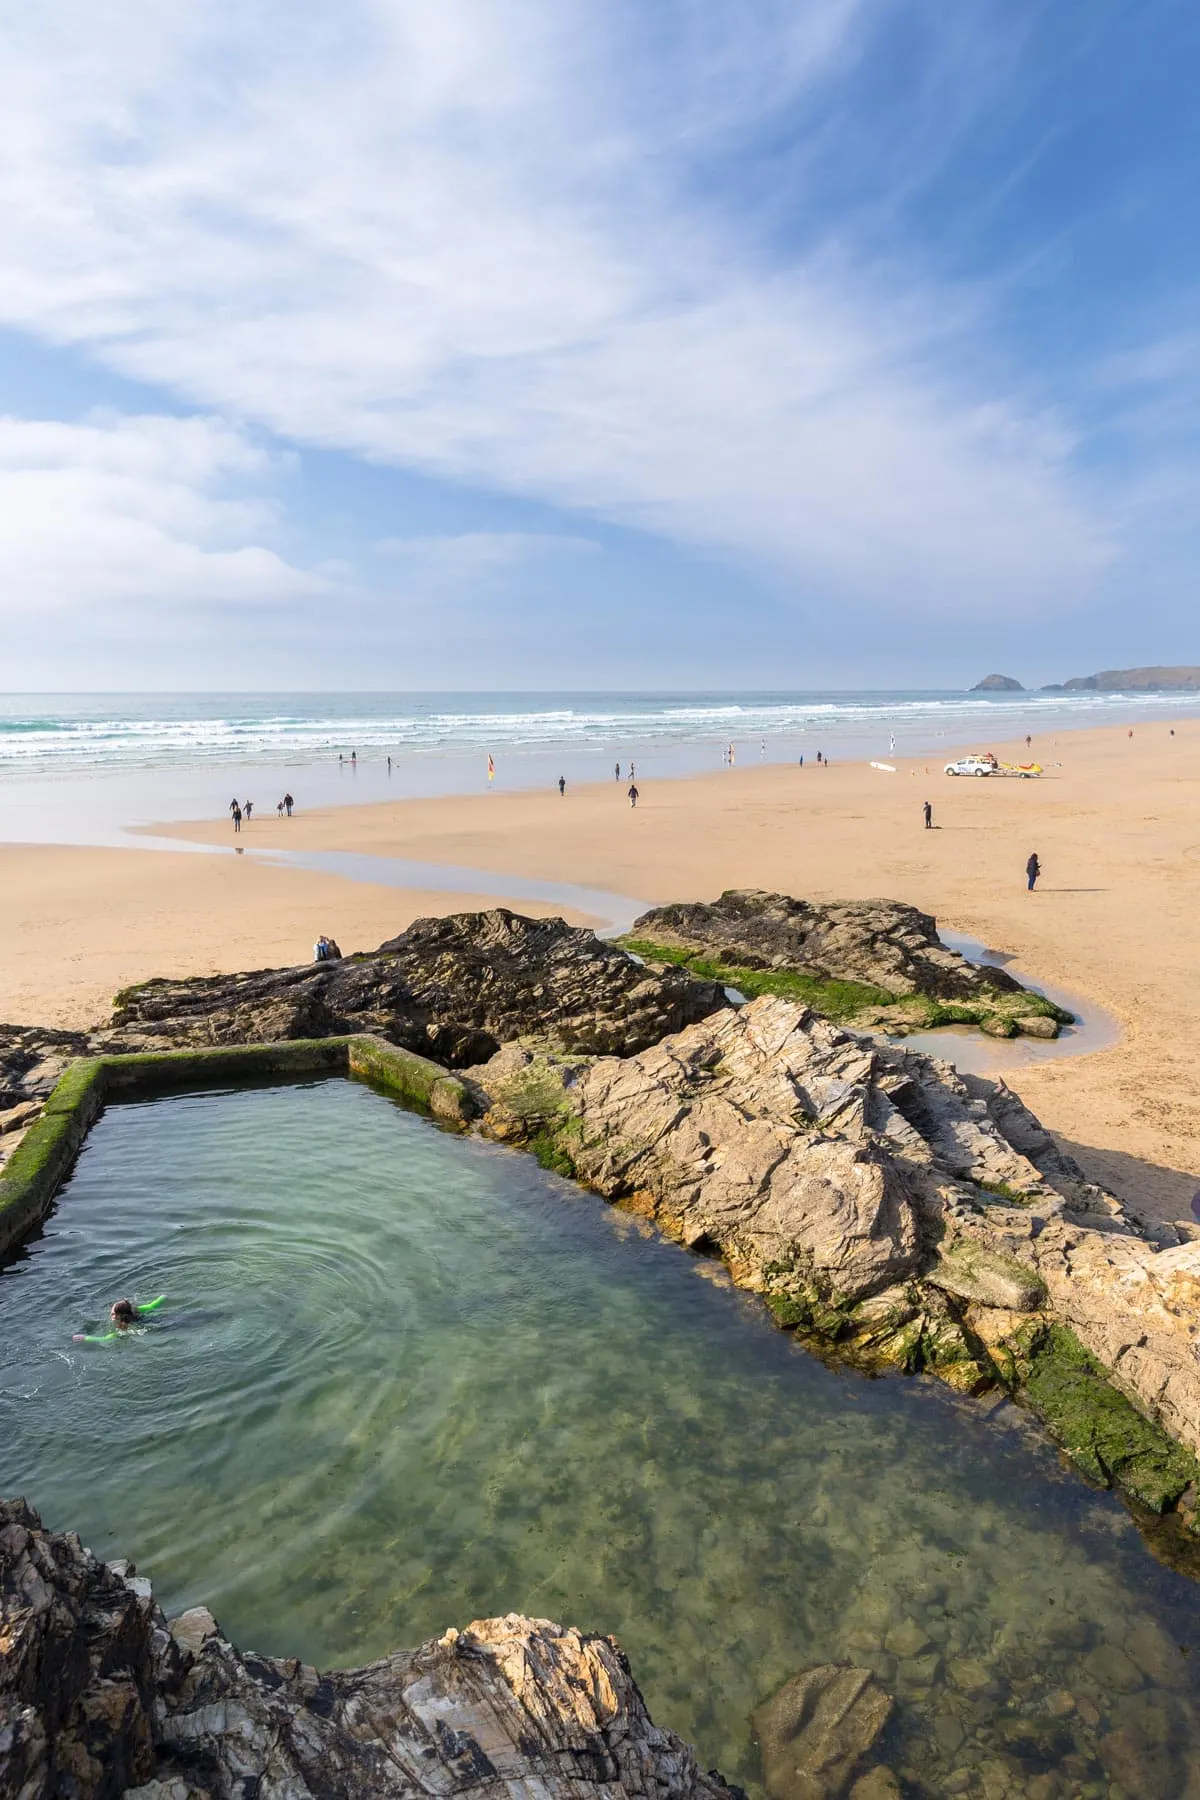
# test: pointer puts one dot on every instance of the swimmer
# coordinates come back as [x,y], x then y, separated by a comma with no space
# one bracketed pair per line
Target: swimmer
[123,1314]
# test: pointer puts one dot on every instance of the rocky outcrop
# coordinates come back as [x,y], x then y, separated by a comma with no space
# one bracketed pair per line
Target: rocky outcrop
[998,684]
[891,1208]
[453,989]
[881,943]
[1153,680]
[876,963]
[100,1696]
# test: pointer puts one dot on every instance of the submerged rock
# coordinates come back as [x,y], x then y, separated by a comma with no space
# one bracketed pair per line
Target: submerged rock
[100,1697]
[817,1730]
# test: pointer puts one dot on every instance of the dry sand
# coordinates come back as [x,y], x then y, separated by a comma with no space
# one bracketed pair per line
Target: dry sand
[1116,821]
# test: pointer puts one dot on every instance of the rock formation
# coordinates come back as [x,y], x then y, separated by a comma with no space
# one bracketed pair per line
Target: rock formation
[100,1696]
[881,943]
[891,1208]
[453,989]
[998,684]
[1153,680]
[880,962]
[887,1208]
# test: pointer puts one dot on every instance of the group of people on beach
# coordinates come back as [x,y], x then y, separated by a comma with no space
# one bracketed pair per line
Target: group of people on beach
[243,809]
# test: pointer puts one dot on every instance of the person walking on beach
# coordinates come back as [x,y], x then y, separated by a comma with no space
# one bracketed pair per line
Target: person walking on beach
[562,786]
[928,817]
[1033,869]
[633,794]
[237,816]
[389,765]
[233,807]
[617,772]
[279,810]
[1028,741]
[288,804]
[248,808]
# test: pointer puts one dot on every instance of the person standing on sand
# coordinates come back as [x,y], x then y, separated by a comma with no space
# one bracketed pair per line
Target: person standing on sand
[617,772]
[928,816]
[279,810]
[288,804]
[1033,869]
[1028,741]
[248,808]
[633,795]
[389,765]
[562,786]
[236,810]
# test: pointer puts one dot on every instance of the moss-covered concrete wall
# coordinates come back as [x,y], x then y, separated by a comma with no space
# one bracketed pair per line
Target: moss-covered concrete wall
[38,1166]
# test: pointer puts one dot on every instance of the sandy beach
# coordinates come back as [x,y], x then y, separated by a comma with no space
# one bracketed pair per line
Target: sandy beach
[1115,820]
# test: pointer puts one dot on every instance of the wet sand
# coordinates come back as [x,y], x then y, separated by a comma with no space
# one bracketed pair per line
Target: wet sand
[1115,820]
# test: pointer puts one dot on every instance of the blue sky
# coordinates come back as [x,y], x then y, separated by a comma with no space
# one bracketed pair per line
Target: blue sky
[499,343]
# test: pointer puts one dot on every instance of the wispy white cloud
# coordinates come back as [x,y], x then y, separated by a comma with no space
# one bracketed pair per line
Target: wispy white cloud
[141,515]
[485,240]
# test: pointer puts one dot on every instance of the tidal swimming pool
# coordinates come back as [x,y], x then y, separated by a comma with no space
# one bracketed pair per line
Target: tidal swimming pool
[405,1379]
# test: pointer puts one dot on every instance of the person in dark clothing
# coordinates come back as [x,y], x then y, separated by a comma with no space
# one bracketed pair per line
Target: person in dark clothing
[237,816]
[633,794]
[617,772]
[288,804]
[248,808]
[562,786]
[928,816]
[1033,869]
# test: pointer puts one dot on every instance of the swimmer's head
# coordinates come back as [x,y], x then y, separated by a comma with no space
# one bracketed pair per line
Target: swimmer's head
[123,1312]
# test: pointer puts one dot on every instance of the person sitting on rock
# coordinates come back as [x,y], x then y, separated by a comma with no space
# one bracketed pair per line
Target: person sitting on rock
[321,949]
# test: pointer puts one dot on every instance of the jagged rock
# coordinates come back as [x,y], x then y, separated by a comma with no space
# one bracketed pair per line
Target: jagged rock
[972,1273]
[452,988]
[815,1732]
[98,1698]
[883,943]
[881,1201]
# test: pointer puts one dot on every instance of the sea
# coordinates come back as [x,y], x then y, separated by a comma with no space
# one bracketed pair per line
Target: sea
[85,768]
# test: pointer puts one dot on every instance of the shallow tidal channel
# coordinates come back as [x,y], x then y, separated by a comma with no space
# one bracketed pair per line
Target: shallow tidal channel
[404,1379]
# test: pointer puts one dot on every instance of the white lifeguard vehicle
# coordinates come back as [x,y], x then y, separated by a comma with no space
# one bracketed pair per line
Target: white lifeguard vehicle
[984,763]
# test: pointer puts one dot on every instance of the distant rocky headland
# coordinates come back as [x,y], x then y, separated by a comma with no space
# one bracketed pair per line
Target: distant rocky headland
[1156,680]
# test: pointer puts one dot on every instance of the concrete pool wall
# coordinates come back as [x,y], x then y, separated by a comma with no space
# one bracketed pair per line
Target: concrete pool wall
[38,1166]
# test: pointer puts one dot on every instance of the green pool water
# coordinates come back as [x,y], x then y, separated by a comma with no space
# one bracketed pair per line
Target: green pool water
[405,1379]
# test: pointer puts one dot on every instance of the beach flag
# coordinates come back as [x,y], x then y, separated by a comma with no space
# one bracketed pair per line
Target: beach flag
[491,766]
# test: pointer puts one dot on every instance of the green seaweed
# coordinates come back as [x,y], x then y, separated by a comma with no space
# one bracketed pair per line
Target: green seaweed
[848,1001]
[837,1000]
[1101,1431]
